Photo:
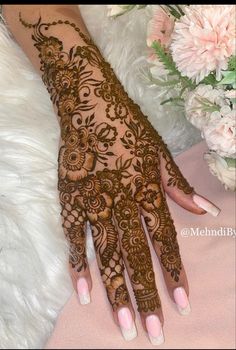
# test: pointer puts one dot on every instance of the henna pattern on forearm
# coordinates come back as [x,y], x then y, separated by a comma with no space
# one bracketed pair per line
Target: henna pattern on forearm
[108,167]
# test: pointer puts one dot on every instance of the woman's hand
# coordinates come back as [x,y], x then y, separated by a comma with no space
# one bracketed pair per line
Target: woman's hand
[113,168]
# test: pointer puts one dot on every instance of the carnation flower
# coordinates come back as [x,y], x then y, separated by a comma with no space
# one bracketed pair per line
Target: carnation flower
[219,167]
[231,94]
[160,27]
[220,132]
[194,108]
[203,40]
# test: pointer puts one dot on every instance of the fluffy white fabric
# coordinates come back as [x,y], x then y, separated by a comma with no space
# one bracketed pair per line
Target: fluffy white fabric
[33,252]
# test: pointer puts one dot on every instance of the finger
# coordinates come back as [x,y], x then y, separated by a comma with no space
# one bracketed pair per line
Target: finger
[138,262]
[74,225]
[162,232]
[111,268]
[178,188]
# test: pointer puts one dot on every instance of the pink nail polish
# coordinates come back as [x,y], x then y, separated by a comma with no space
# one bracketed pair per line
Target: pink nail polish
[127,324]
[125,318]
[154,329]
[83,291]
[206,205]
[182,301]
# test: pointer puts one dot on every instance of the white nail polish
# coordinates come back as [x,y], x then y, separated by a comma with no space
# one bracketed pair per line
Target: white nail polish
[182,302]
[206,205]
[184,311]
[157,340]
[154,329]
[84,299]
[83,291]
[127,325]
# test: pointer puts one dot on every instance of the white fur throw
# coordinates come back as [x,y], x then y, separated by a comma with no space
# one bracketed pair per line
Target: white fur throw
[34,281]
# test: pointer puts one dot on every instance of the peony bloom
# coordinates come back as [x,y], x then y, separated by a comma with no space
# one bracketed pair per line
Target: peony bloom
[160,27]
[219,167]
[203,40]
[194,109]
[220,132]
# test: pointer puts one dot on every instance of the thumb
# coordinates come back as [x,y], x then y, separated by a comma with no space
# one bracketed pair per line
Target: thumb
[192,202]
[178,188]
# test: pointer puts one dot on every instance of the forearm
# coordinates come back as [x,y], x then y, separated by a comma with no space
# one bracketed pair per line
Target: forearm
[49,14]
[54,49]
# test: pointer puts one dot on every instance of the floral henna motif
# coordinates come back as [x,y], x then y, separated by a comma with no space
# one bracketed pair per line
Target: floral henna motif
[108,168]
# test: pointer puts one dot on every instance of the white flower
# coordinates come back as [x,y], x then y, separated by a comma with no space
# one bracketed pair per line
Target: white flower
[220,132]
[117,10]
[195,111]
[219,167]
[231,94]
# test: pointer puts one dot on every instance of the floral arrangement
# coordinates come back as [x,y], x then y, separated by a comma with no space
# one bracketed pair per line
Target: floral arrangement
[192,53]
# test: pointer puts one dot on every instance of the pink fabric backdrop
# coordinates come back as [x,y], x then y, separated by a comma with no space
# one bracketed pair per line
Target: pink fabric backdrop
[210,265]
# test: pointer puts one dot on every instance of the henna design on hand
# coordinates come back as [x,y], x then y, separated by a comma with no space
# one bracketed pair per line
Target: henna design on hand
[108,168]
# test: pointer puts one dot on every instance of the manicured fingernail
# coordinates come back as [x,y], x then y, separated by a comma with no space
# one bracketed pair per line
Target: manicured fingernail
[182,301]
[206,205]
[83,291]
[154,329]
[127,324]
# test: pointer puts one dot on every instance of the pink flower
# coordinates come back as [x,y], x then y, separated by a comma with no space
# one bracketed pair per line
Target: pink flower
[160,27]
[203,40]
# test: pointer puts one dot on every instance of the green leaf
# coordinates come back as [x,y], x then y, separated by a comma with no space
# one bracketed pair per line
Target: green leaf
[172,100]
[164,83]
[164,57]
[180,10]
[231,162]
[173,12]
[169,64]
[210,79]
[232,63]
[206,105]
[229,78]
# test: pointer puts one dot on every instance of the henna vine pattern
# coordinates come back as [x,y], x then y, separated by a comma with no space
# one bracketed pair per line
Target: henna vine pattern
[109,169]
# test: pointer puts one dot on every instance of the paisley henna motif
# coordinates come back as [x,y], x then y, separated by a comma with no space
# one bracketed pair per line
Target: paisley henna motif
[108,168]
